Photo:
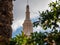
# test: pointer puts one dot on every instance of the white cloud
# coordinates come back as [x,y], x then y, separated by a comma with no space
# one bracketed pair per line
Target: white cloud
[17,24]
[38,29]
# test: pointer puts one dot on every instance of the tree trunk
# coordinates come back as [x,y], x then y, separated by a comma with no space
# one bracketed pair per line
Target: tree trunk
[6,18]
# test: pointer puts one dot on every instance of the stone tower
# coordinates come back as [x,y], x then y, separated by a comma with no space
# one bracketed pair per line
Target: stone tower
[6,18]
[27,25]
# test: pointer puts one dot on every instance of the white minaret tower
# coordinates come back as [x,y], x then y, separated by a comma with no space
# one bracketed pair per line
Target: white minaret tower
[27,25]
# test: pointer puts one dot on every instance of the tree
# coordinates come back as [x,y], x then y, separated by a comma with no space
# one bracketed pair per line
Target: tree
[54,35]
[13,41]
[20,39]
[6,18]
[36,38]
[49,19]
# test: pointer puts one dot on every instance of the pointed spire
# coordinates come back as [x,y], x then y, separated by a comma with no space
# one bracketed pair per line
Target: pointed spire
[27,12]
[27,8]
[27,2]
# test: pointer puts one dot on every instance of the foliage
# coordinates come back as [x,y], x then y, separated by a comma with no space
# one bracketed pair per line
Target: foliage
[34,39]
[13,41]
[20,39]
[49,19]
[54,35]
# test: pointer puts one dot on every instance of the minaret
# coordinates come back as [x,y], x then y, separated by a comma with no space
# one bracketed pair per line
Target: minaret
[27,25]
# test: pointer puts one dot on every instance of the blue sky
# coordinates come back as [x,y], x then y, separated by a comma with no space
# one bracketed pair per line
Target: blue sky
[19,10]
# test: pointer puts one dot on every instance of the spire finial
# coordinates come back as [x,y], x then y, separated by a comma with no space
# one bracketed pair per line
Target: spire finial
[27,2]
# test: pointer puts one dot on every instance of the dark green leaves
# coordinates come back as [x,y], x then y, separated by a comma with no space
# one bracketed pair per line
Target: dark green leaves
[49,18]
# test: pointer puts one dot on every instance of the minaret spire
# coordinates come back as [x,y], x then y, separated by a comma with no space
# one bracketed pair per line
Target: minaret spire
[27,25]
[27,2]
[27,12]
